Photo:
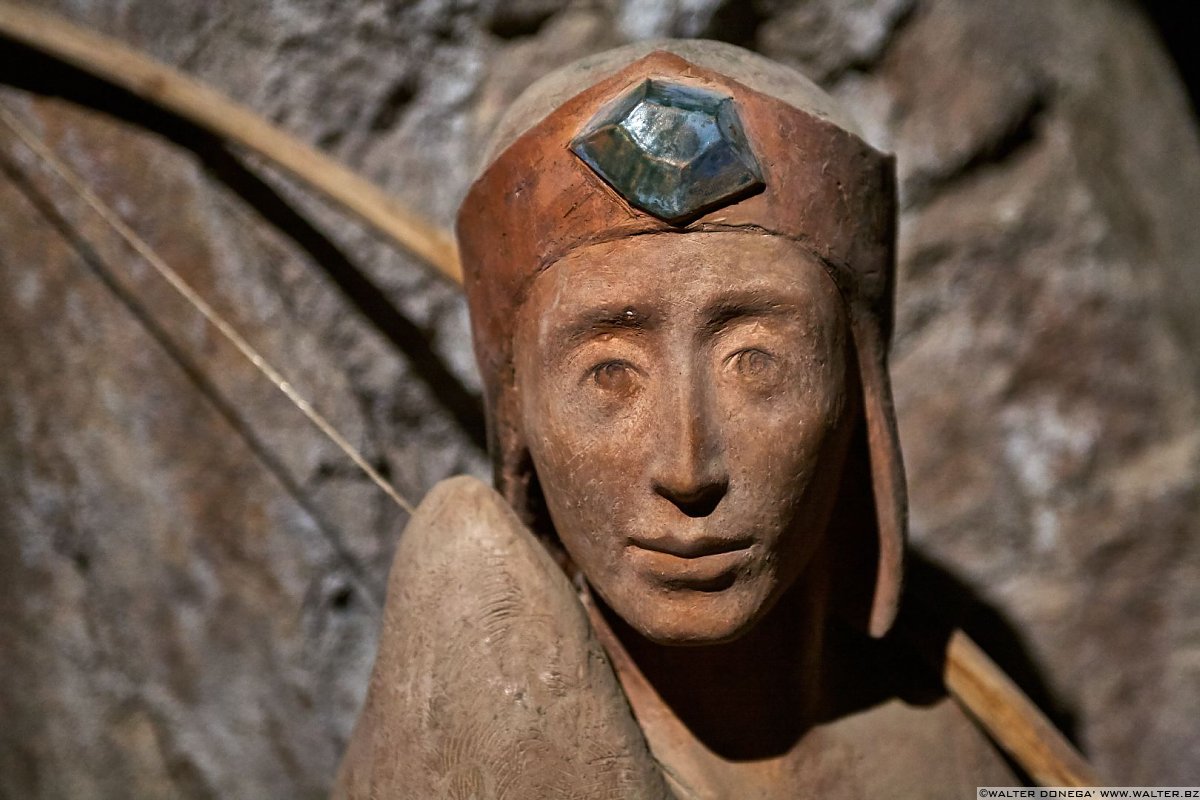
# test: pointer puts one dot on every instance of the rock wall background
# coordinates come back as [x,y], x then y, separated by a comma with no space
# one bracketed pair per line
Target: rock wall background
[190,576]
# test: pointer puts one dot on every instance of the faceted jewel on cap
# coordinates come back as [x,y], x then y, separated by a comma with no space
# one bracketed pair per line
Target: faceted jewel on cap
[671,150]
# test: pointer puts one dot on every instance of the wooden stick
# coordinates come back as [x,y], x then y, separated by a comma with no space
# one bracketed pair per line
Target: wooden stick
[212,111]
[1010,717]
[970,676]
[185,290]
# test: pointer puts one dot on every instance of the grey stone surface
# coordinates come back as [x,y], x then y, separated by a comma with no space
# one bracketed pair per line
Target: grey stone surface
[189,574]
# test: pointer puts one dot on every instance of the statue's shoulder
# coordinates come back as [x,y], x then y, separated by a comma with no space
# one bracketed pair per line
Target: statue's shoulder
[464,525]
[489,681]
[900,748]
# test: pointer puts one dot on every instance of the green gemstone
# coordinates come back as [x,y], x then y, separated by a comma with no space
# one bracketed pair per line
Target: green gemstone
[671,150]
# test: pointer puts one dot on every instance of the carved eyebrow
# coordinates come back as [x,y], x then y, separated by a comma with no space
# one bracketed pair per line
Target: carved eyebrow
[593,321]
[734,306]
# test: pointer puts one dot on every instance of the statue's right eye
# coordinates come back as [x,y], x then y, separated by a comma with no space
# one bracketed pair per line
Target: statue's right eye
[615,376]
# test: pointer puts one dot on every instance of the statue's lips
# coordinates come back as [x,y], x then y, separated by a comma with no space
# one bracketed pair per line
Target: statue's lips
[690,547]
[705,564]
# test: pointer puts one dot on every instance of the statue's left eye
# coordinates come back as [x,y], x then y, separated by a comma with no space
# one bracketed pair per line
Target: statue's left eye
[753,363]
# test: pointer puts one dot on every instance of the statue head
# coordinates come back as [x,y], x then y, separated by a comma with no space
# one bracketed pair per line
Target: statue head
[679,261]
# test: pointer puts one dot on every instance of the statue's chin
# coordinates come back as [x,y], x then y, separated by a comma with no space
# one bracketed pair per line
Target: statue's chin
[686,618]
[691,638]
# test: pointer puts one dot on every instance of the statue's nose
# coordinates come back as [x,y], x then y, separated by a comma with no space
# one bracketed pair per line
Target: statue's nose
[689,468]
[695,499]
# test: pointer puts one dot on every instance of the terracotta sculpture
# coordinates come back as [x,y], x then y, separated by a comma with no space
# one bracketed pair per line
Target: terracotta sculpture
[679,261]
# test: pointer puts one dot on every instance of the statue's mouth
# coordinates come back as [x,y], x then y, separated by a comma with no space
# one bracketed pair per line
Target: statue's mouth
[701,565]
[690,547]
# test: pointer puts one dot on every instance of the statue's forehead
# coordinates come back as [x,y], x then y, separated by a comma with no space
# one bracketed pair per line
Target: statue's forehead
[679,273]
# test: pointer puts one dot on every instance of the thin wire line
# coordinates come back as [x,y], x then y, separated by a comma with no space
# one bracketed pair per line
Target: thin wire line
[185,290]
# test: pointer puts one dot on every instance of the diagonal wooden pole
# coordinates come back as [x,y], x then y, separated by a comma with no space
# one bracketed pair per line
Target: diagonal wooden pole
[1010,717]
[200,104]
[974,680]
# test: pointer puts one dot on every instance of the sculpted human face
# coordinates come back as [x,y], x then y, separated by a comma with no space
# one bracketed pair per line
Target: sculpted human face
[684,400]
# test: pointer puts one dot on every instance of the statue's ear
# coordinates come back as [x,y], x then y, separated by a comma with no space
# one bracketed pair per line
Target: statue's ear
[872,512]
[887,475]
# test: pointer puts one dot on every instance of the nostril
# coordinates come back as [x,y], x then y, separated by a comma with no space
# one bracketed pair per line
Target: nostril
[698,501]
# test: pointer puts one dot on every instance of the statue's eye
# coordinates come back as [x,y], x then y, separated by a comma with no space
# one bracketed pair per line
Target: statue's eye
[753,363]
[614,376]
